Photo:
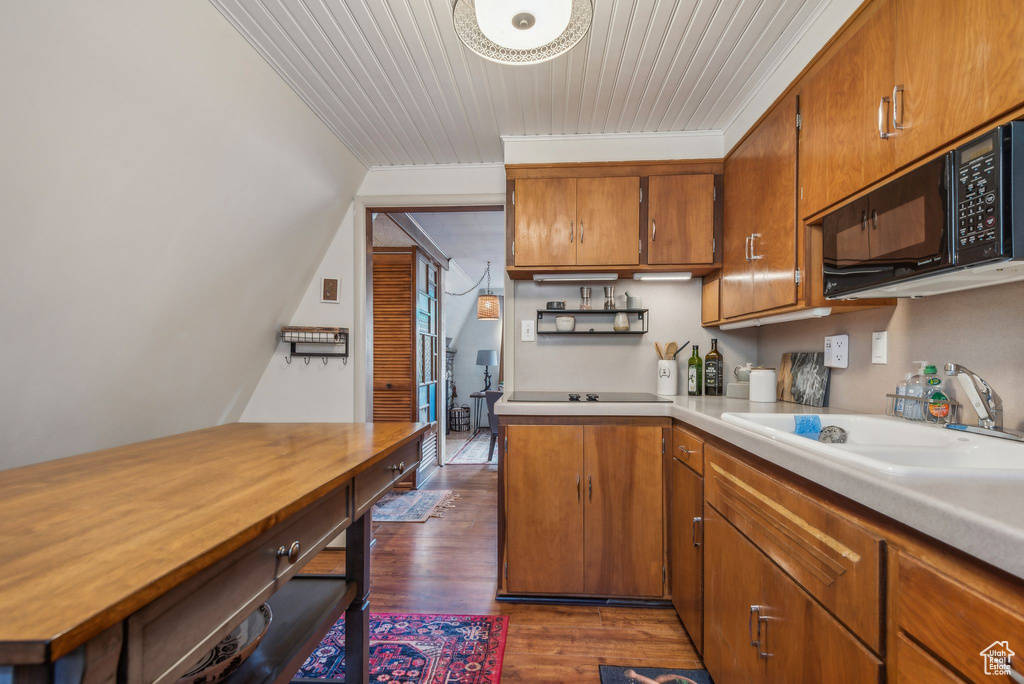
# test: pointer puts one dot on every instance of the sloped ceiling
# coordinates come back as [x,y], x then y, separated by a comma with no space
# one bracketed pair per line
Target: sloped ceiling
[393,82]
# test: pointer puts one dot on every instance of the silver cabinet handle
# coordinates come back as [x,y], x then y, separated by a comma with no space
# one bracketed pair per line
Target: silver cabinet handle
[882,133]
[1014,673]
[654,230]
[864,219]
[570,231]
[578,491]
[590,487]
[754,257]
[693,530]
[290,552]
[750,626]
[897,114]
[746,248]
[761,620]
[581,232]
[685,450]
[874,220]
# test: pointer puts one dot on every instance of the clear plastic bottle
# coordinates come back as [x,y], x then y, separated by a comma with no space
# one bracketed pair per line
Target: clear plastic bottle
[914,410]
[901,390]
[938,401]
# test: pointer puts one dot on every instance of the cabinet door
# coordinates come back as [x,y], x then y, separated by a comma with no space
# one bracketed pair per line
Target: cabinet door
[608,217]
[736,286]
[860,75]
[814,141]
[732,586]
[545,222]
[394,392]
[686,511]
[960,63]
[544,509]
[681,220]
[773,243]
[624,521]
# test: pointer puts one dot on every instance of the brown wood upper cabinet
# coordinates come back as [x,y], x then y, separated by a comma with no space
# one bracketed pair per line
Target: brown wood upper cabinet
[577,221]
[759,263]
[680,221]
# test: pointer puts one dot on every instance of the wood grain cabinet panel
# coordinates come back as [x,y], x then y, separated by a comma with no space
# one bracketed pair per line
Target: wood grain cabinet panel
[623,536]
[686,558]
[960,64]
[814,142]
[545,222]
[956,618]
[544,509]
[608,221]
[393,286]
[688,448]
[914,665]
[681,219]
[834,559]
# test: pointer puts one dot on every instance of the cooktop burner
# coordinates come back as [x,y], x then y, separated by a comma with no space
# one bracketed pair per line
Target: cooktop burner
[627,397]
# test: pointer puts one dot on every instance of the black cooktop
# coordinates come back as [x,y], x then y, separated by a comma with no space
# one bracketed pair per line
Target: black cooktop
[628,397]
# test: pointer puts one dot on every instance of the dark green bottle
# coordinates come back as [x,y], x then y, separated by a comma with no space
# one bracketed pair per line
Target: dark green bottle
[713,371]
[694,380]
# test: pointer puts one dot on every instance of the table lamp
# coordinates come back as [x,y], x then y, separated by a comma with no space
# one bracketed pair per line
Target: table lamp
[485,358]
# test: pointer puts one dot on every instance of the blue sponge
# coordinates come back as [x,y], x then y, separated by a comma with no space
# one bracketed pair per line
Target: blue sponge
[808,426]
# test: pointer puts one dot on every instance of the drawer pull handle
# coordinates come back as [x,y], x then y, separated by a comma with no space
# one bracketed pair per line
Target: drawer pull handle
[761,619]
[693,530]
[685,450]
[398,468]
[290,552]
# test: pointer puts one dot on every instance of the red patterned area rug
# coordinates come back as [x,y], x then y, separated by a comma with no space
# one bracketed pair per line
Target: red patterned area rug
[419,649]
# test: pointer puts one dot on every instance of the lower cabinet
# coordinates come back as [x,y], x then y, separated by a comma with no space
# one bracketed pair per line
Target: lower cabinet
[584,510]
[762,627]
[686,557]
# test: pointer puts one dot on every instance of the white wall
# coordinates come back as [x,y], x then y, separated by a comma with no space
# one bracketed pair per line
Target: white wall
[165,199]
[625,363]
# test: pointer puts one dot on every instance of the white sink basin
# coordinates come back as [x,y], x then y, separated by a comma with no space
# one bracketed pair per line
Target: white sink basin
[897,446]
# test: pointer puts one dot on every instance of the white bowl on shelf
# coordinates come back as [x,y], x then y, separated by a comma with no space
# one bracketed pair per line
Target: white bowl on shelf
[565,323]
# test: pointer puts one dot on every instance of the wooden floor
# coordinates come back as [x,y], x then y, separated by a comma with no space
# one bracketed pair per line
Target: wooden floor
[448,565]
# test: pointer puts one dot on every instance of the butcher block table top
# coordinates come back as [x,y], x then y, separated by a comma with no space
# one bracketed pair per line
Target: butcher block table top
[90,539]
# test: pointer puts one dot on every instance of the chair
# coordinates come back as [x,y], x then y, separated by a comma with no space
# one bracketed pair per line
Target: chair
[492,418]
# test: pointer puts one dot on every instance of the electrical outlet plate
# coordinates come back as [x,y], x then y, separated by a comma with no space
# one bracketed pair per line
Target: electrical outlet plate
[529,332]
[879,347]
[837,351]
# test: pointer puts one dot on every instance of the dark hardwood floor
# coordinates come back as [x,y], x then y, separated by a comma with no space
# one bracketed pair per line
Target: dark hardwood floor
[448,565]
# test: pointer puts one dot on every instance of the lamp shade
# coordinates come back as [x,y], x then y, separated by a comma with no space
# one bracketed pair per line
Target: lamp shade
[487,308]
[487,357]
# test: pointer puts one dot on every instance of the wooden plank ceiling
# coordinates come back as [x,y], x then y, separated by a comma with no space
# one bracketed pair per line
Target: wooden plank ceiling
[393,82]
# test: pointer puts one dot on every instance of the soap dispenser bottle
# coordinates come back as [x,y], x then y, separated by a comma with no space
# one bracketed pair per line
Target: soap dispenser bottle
[901,390]
[914,410]
[938,401]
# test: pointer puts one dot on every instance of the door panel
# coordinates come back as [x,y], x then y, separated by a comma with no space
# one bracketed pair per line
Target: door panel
[393,389]
[544,508]
[774,246]
[686,489]
[608,218]
[681,221]
[815,141]
[961,64]
[545,222]
[737,281]
[623,491]
[860,74]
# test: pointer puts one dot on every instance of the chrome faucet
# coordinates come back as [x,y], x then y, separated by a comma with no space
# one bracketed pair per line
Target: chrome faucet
[986,404]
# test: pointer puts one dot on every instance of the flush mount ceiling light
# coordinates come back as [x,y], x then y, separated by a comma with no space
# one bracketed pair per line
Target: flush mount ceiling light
[521,31]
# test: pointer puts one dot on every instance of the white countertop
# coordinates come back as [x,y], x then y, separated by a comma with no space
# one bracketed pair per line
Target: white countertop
[981,516]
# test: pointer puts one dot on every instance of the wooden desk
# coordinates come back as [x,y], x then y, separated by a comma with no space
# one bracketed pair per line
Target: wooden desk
[126,565]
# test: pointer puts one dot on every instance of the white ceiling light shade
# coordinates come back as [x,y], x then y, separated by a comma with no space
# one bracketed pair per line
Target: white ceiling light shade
[522,31]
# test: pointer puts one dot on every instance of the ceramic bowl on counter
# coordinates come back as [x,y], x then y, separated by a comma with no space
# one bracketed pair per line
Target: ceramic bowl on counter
[565,323]
[233,650]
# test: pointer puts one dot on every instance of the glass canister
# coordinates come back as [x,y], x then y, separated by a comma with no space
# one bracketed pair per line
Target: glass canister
[585,304]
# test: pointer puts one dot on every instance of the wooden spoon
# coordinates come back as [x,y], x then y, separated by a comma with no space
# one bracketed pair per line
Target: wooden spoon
[657,348]
[670,352]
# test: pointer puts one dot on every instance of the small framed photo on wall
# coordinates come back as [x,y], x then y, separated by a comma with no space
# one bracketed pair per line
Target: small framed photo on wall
[329,290]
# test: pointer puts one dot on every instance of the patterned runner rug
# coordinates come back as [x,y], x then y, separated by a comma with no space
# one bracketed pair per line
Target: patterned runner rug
[413,505]
[612,674]
[474,450]
[415,649]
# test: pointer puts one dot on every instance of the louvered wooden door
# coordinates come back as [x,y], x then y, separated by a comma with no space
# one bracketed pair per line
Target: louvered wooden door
[393,386]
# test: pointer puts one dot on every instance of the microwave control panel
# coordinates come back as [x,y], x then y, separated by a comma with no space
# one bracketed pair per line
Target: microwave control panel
[977,204]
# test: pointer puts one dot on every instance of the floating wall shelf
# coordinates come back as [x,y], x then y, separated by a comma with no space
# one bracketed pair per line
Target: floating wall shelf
[594,321]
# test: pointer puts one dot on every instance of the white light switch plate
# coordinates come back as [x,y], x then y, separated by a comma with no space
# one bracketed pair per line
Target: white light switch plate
[880,347]
[529,332]
[837,351]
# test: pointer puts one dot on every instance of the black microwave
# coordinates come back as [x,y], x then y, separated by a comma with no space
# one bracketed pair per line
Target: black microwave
[950,224]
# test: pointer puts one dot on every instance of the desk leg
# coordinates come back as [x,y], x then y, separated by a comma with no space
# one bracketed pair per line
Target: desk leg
[357,616]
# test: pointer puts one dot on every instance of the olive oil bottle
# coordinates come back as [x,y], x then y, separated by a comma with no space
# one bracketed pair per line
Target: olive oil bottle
[713,371]
[694,381]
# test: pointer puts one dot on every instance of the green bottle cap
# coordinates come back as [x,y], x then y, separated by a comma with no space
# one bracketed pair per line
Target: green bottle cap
[930,370]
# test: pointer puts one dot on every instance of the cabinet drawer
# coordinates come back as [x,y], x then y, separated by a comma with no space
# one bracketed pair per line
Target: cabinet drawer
[913,665]
[166,637]
[837,561]
[953,620]
[382,475]
[688,448]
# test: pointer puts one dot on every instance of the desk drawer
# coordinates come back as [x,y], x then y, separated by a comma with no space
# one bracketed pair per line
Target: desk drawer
[688,448]
[166,637]
[382,475]
[836,560]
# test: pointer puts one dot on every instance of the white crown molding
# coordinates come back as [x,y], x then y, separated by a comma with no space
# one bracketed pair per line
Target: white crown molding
[605,147]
